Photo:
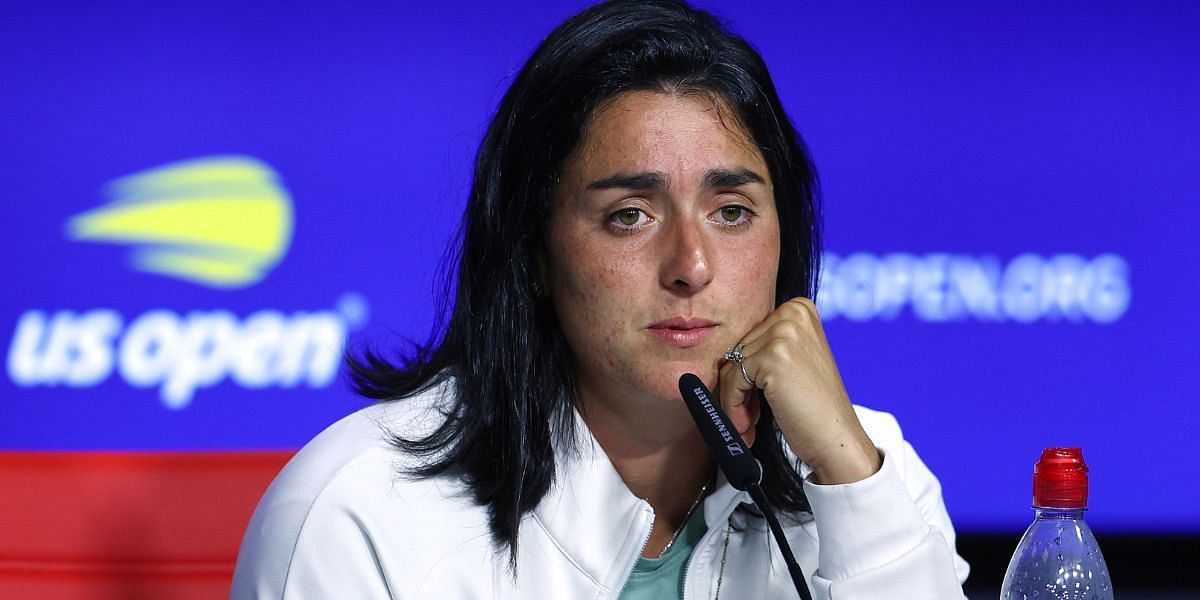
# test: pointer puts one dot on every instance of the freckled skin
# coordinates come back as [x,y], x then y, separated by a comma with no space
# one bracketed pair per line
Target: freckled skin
[608,284]
[623,254]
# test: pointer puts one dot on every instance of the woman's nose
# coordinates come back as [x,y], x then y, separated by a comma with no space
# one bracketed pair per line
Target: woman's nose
[687,265]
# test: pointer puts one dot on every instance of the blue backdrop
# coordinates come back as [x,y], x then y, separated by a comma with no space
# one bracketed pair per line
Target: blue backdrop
[203,201]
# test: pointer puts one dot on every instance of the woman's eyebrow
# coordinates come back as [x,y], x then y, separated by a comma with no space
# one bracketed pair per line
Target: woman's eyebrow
[651,180]
[729,178]
[655,181]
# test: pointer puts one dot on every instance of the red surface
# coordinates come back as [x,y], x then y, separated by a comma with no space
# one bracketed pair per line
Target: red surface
[126,524]
[1060,479]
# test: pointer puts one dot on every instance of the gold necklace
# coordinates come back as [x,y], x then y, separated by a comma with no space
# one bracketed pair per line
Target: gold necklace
[686,518]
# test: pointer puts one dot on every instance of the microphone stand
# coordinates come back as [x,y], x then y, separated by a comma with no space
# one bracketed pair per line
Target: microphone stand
[760,500]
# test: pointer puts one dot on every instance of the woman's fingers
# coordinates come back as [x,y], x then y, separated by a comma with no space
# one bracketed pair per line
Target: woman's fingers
[782,360]
[739,400]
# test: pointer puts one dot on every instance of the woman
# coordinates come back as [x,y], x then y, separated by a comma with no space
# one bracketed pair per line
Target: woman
[642,208]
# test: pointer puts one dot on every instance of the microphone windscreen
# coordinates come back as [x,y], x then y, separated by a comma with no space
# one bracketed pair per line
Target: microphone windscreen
[730,451]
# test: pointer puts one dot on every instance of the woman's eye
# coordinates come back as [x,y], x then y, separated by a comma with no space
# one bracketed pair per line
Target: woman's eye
[734,215]
[628,217]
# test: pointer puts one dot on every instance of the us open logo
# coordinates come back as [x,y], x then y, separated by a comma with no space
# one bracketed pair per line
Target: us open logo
[222,221]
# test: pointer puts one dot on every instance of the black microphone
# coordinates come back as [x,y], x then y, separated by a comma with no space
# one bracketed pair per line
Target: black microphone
[732,455]
[739,466]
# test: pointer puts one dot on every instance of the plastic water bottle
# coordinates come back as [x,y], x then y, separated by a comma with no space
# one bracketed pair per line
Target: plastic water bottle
[1058,558]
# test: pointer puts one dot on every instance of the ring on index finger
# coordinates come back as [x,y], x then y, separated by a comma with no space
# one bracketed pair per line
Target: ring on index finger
[735,354]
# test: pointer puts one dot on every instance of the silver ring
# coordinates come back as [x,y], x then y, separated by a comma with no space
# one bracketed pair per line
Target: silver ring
[735,354]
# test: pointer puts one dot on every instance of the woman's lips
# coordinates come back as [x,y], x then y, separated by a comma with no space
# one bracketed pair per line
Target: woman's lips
[683,332]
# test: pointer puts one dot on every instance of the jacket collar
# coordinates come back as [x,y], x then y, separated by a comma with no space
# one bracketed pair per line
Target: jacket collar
[596,521]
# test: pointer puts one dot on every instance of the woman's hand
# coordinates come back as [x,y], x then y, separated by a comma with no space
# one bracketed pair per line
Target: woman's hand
[788,358]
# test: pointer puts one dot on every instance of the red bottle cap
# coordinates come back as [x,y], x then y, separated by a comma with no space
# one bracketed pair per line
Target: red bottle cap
[1060,479]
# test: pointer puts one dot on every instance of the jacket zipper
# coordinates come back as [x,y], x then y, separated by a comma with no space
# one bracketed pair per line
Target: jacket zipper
[704,540]
[648,511]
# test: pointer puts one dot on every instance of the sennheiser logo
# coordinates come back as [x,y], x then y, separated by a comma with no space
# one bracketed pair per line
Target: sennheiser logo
[222,221]
[712,414]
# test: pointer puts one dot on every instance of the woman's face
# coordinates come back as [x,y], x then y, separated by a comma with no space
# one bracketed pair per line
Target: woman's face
[663,248]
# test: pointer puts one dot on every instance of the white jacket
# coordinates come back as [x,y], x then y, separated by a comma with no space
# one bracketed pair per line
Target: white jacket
[339,522]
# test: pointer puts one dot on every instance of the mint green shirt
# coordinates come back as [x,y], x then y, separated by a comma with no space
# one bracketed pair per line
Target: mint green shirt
[659,578]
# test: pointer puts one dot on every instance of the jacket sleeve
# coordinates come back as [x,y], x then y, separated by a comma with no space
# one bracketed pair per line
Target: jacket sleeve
[889,535]
[300,547]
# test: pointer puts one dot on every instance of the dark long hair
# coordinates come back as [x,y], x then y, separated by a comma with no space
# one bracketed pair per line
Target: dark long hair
[502,348]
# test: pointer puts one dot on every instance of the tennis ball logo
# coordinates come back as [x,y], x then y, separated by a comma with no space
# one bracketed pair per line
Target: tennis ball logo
[220,221]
